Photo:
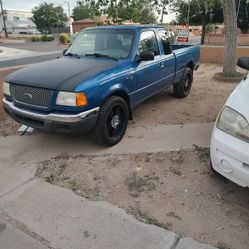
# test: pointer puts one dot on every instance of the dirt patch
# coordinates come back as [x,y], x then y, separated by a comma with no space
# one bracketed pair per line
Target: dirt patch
[175,191]
[7,125]
[204,102]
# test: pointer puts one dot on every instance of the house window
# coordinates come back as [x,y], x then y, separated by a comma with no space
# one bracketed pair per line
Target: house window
[16,18]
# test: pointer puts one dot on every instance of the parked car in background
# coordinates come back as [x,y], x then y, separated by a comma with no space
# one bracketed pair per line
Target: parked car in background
[103,75]
[182,35]
[230,139]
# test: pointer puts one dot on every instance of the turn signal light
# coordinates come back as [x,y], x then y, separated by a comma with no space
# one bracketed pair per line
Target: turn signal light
[81,99]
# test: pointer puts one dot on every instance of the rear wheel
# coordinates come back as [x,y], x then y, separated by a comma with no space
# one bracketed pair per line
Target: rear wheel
[182,89]
[112,122]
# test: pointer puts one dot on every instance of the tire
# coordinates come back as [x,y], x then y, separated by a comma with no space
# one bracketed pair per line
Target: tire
[112,122]
[182,89]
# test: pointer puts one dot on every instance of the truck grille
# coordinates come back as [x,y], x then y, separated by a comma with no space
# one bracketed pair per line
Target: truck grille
[30,95]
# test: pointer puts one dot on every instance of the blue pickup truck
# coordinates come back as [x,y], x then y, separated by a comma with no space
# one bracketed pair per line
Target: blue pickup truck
[100,78]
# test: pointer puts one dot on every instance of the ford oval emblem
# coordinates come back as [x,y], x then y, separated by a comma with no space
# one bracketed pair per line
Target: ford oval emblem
[27,95]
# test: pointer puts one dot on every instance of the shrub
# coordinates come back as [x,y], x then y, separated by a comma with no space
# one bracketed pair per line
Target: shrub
[46,38]
[50,38]
[35,38]
[64,38]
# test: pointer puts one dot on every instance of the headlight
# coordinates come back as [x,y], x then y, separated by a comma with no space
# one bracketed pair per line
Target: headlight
[6,88]
[233,123]
[71,99]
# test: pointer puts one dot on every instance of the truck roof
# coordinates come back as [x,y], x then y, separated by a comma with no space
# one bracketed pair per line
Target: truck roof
[134,27]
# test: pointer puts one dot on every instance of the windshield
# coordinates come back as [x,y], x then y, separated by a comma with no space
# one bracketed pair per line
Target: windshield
[113,43]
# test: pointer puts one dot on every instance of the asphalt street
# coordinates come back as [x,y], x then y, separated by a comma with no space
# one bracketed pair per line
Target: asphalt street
[29,60]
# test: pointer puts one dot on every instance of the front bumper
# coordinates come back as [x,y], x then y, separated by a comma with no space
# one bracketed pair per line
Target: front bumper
[230,157]
[70,123]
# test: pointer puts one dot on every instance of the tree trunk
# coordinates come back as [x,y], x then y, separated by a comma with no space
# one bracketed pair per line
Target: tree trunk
[230,18]
[204,24]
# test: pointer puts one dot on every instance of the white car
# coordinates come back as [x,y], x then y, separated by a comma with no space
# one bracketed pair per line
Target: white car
[230,139]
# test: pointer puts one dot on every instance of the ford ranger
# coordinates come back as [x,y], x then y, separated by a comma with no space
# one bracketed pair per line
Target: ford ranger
[100,78]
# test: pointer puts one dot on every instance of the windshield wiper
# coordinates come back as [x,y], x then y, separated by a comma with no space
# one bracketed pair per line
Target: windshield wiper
[73,55]
[102,55]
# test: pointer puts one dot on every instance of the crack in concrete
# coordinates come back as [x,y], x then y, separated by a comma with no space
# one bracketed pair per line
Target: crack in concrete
[23,228]
[177,239]
[18,186]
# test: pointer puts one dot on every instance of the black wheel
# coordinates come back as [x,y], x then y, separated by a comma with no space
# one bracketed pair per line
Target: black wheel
[112,122]
[182,89]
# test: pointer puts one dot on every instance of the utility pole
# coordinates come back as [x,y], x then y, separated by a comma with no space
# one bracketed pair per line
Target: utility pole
[68,8]
[163,9]
[4,23]
[188,13]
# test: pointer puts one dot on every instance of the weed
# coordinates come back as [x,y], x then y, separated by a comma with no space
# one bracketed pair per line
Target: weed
[203,153]
[174,215]
[222,245]
[140,184]
[179,157]
[141,216]
[175,171]
[50,178]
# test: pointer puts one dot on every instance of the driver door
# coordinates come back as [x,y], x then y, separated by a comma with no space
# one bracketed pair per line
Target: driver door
[149,74]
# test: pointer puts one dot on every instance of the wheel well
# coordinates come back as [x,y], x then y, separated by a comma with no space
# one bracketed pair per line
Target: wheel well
[124,96]
[191,65]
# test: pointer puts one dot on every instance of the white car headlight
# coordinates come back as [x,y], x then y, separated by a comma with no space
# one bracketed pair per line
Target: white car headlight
[71,99]
[6,88]
[233,123]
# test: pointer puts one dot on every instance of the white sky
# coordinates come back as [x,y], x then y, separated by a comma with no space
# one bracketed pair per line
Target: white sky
[29,4]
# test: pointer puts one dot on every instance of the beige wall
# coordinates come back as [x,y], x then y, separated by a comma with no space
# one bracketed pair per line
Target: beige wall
[215,54]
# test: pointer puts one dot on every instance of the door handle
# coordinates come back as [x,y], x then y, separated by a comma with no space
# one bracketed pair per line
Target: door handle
[130,77]
[162,64]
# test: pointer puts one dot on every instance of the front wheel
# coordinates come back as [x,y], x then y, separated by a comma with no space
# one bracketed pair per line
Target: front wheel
[112,122]
[182,89]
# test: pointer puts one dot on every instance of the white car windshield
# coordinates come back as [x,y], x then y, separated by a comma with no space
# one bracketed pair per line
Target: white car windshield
[113,43]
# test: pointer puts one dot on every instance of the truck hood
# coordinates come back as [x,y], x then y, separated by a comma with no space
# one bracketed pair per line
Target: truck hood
[239,100]
[62,74]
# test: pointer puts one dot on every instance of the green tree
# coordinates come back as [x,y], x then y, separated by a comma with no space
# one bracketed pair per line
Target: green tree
[46,16]
[81,12]
[243,15]
[135,10]
[147,16]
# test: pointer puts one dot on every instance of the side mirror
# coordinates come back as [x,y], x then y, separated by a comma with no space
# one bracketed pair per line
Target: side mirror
[64,51]
[243,62]
[146,56]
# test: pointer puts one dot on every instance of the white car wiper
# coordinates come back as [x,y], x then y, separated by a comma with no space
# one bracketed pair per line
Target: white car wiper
[102,55]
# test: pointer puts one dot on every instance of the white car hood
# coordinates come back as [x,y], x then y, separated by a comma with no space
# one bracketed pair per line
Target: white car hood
[239,99]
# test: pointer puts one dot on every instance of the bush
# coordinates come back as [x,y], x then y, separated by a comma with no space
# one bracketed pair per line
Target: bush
[35,38]
[64,38]
[45,38]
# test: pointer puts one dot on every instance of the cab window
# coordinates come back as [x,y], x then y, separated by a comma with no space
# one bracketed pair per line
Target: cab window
[148,42]
[165,41]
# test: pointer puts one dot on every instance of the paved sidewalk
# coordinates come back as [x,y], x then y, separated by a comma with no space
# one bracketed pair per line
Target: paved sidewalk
[36,214]
[58,218]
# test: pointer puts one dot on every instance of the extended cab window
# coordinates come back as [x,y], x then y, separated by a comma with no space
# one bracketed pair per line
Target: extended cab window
[148,42]
[115,43]
[165,41]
